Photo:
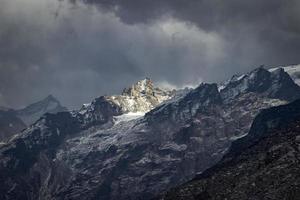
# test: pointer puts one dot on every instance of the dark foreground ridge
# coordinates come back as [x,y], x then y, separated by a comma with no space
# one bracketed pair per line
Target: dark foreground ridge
[263,165]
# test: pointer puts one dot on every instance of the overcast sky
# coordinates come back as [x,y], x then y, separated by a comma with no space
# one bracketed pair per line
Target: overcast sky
[78,50]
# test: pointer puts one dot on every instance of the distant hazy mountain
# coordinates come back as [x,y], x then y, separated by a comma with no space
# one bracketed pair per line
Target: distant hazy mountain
[34,111]
[13,121]
[139,143]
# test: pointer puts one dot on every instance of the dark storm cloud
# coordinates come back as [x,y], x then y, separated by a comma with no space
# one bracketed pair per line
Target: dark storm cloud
[273,24]
[209,14]
[87,48]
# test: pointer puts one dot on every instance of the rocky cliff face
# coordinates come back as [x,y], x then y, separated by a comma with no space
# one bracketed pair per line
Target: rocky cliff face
[110,150]
[262,165]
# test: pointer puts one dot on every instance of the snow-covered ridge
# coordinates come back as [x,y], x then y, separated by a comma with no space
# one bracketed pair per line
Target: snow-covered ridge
[293,71]
[233,78]
[275,83]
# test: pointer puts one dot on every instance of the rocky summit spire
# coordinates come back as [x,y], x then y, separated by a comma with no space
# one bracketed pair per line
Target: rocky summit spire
[141,88]
[140,97]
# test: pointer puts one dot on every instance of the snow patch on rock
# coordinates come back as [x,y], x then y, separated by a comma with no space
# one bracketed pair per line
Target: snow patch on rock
[128,117]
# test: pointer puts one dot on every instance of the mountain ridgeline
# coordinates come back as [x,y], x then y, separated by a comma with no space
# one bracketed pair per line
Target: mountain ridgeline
[140,143]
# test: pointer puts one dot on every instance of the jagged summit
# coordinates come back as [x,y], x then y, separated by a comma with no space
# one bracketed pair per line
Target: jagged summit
[140,88]
[274,84]
[146,88]
[141,97]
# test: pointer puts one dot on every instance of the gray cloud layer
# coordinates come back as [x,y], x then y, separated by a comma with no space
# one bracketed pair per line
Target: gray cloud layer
[77,50]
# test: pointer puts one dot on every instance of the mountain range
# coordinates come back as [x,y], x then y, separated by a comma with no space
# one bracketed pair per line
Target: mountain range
[146,140]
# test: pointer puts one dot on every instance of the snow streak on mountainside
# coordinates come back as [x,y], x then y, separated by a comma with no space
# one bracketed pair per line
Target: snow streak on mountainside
[110,149]
[127,117]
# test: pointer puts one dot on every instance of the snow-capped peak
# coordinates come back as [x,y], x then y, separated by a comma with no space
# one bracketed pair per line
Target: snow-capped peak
[141,97]
[135,100]
[140,88]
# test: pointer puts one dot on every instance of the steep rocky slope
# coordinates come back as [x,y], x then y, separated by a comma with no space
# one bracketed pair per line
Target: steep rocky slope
[110,150]
[265,164]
